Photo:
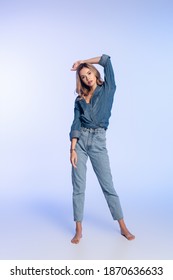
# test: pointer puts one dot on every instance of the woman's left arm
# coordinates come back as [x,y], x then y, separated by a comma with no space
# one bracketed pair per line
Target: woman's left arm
[109,78]
[94,60]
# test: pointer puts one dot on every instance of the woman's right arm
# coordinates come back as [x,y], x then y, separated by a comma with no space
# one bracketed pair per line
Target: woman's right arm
[73,154]
[75,134]
[76,125]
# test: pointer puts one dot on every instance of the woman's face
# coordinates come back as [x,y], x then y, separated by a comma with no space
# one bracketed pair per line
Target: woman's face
[88,77]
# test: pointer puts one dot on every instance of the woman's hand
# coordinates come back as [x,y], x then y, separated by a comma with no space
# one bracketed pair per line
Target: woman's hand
[73,158]
[76,64]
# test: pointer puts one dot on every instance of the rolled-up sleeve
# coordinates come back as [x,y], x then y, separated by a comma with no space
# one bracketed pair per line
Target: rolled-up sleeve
[109,78]
[76,125]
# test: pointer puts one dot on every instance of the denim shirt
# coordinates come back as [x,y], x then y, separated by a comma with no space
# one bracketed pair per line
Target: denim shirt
[97,113]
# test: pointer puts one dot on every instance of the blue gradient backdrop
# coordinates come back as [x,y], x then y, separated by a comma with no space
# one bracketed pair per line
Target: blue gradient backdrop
[39,41]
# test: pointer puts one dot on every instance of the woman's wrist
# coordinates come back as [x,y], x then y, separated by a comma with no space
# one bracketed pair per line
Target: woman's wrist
[72,150]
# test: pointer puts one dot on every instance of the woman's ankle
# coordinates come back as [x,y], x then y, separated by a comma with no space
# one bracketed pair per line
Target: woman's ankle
[78,226]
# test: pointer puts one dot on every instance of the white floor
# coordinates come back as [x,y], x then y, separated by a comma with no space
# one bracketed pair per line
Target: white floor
[40,227]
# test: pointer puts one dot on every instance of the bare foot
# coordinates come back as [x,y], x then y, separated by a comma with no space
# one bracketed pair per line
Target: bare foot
[128,235]
[76,238]
[78,235]
[124,231]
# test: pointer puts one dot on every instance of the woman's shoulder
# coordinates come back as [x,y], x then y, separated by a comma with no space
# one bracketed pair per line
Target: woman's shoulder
[78,99]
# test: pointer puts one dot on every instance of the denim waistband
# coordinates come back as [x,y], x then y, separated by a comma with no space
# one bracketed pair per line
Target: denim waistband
[98,129]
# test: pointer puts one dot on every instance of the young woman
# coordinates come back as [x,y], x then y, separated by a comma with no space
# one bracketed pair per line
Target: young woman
[88,138]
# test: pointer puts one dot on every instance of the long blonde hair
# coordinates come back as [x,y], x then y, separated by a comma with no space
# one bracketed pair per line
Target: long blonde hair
[81,88]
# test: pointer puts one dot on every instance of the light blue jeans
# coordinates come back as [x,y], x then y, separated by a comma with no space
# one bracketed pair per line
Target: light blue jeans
[92,143]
